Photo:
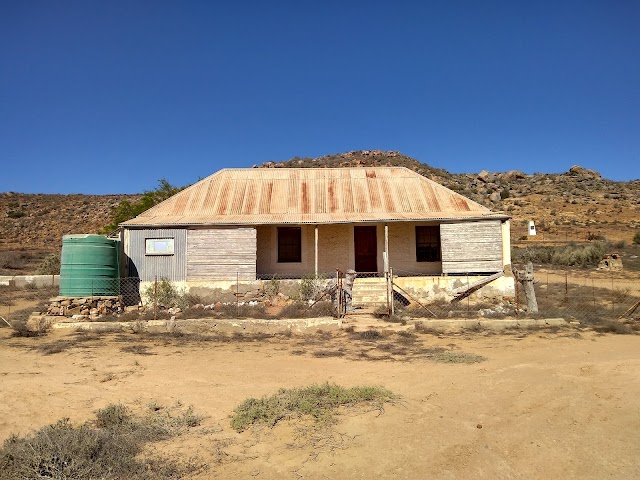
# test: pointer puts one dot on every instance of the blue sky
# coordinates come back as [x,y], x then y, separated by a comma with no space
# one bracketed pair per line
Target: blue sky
[108,97]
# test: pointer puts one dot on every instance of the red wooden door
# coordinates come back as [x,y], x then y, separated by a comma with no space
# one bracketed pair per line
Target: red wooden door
[365,245]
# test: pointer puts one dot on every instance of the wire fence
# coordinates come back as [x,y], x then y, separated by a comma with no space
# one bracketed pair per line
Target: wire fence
[584,296]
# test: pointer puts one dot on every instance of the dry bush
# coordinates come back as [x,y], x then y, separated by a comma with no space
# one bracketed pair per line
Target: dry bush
[367,335]
[18,321]
[12,261]
[232,310]
[107,448]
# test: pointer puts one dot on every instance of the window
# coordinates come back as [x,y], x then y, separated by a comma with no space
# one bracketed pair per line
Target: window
[289,244]
[428,244]
[158,246]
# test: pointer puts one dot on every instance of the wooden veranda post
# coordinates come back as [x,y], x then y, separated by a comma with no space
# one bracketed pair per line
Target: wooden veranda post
[316,252]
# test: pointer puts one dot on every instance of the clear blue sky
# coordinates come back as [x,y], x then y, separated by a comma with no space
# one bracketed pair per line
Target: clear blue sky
[110,96]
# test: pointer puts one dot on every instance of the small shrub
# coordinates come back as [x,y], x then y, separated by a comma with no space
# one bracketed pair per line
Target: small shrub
[16,213]
[50,265]
[318,401]
[636,238]
[457,357]
[368,335]
[310,288]
[271,288]
[232,310]
[108,448]
[293,310]
[504,194]
[321,309]
[619,244]
[113,416]
[166,294]
[15,260]
[609,326]
[18,321]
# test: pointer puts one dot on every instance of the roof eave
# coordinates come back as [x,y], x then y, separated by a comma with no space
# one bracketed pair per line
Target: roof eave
[442,219]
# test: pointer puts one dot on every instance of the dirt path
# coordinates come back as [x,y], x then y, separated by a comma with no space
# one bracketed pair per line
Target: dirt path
[543,406]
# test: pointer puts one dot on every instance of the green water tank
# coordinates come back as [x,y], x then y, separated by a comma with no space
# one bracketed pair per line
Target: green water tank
[89,266]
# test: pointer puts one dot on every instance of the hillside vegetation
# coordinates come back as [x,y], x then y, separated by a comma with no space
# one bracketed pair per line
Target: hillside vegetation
[575,205]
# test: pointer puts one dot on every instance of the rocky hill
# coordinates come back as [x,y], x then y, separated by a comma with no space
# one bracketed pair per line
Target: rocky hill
[573,206]
[40,220]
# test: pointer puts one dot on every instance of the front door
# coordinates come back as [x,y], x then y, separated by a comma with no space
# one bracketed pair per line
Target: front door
[365,246]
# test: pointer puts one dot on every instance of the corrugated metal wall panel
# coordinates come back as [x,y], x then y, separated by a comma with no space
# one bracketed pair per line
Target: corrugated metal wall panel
[148,267]
[471,247]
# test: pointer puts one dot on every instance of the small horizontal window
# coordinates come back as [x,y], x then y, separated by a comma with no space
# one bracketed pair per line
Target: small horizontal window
[159,246]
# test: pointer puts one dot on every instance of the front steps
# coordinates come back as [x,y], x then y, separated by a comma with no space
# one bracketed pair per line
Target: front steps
[370,292]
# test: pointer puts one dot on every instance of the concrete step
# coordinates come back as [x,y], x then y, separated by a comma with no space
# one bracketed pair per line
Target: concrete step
[370,292]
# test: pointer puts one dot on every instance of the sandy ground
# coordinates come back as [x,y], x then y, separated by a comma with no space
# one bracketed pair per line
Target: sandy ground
[542,404]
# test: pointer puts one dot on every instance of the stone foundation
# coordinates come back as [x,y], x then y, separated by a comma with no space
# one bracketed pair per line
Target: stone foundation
[91,307]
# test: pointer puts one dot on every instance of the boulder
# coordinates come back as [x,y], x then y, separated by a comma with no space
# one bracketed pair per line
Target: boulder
[484,176]
[578,171]
[513,175]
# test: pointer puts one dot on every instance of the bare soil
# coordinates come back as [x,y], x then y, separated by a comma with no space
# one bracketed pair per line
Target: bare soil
[554,404]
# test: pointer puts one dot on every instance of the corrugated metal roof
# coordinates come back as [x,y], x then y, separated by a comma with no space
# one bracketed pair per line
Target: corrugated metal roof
[252,196]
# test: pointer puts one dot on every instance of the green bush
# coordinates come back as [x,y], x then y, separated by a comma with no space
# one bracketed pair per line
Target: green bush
[126,210]
[50,265]
[636,238]
[16,214]
[166,294]
[310,287]
[318,401]
[569,255]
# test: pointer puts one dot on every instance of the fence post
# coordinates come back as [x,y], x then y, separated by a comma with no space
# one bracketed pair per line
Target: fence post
[155,298]
[393,308]
[468,300]
[339,292]
[517,294]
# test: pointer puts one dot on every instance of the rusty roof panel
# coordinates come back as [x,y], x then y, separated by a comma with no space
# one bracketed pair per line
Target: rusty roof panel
[311,195]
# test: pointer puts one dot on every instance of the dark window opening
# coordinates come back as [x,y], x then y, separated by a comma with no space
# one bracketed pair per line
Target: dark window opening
[428,244]
[289,244]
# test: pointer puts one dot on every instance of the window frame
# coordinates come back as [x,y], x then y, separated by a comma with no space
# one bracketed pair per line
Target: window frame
[150,242]
[427,242]
[295,243]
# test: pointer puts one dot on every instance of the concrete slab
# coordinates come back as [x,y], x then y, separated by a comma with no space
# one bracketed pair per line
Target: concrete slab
[21,281]
[489,324]
[365,322]
[249,325]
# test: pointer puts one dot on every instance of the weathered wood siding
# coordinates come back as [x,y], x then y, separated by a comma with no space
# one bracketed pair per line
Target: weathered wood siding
[150,267]
[221,254]
[471,247]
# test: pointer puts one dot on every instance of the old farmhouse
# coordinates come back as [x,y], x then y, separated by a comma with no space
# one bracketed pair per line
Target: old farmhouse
[247,224]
